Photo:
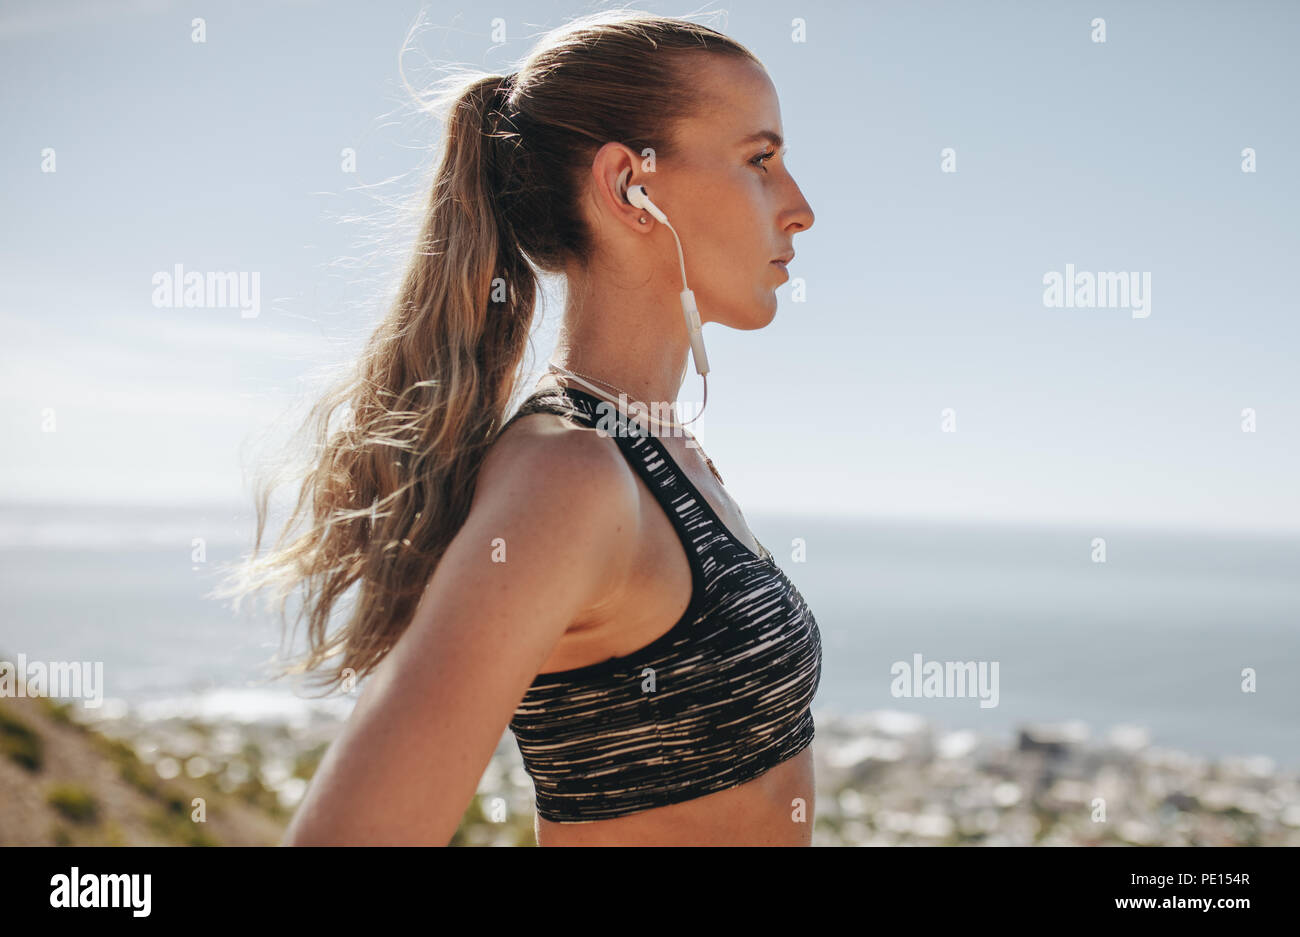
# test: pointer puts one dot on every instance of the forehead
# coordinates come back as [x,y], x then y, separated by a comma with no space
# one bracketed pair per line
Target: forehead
[734,99]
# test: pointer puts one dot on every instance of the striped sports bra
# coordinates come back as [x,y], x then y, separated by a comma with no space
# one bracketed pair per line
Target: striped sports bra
[719,699]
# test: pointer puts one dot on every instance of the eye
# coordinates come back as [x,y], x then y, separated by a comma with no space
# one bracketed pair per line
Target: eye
[762,158]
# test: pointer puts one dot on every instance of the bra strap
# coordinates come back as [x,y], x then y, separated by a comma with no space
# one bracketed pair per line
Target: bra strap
[687,510]
[547,401]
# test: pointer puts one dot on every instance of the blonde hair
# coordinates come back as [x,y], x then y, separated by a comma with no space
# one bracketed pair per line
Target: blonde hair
[390,488]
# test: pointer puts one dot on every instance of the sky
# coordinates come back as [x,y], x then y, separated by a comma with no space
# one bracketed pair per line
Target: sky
[916,298]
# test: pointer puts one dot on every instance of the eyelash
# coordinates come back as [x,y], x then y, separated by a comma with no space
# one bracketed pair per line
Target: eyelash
[762,157]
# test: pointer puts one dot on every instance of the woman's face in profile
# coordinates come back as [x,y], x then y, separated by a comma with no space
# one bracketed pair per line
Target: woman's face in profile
[730,196]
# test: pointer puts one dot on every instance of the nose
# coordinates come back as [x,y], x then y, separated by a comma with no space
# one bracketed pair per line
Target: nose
[800,217]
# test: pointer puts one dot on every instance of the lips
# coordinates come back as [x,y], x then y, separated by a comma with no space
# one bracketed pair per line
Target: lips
[784,258]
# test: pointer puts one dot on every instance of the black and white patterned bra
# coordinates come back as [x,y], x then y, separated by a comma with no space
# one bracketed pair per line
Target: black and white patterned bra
[714,702]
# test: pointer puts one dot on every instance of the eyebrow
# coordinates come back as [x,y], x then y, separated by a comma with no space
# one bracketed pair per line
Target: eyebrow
[769,135]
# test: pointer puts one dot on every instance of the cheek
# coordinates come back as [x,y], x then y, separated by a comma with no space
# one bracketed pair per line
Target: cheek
[734,200]
[735,227]
[727,242]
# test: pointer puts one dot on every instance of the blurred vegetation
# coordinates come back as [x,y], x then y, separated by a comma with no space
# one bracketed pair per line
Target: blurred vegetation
[74,802]
[169,817]
[60,712]
[172,823]
[19,741]
[307,762]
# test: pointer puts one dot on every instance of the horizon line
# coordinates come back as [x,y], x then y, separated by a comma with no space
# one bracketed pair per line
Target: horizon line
[243,508]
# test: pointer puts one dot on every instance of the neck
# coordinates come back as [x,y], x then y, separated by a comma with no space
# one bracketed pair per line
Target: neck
[629,339]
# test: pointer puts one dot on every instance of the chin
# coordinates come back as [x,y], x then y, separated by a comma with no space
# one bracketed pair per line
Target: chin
[766,311]
[754,315]
[752,319]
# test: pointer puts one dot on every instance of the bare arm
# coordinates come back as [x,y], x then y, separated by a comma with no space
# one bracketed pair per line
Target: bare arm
[428,720]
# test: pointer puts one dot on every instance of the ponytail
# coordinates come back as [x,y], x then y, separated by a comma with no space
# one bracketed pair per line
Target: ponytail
[426,398]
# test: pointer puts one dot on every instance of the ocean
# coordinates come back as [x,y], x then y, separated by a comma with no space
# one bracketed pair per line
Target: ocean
[1158,636]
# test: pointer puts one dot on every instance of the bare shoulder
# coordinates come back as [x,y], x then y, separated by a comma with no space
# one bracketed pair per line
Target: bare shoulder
[562,481]
[548,455]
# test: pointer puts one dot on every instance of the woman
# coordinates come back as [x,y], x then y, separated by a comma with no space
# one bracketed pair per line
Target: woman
[598,592]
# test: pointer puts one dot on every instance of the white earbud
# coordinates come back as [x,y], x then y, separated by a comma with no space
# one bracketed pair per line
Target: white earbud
[636,196]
